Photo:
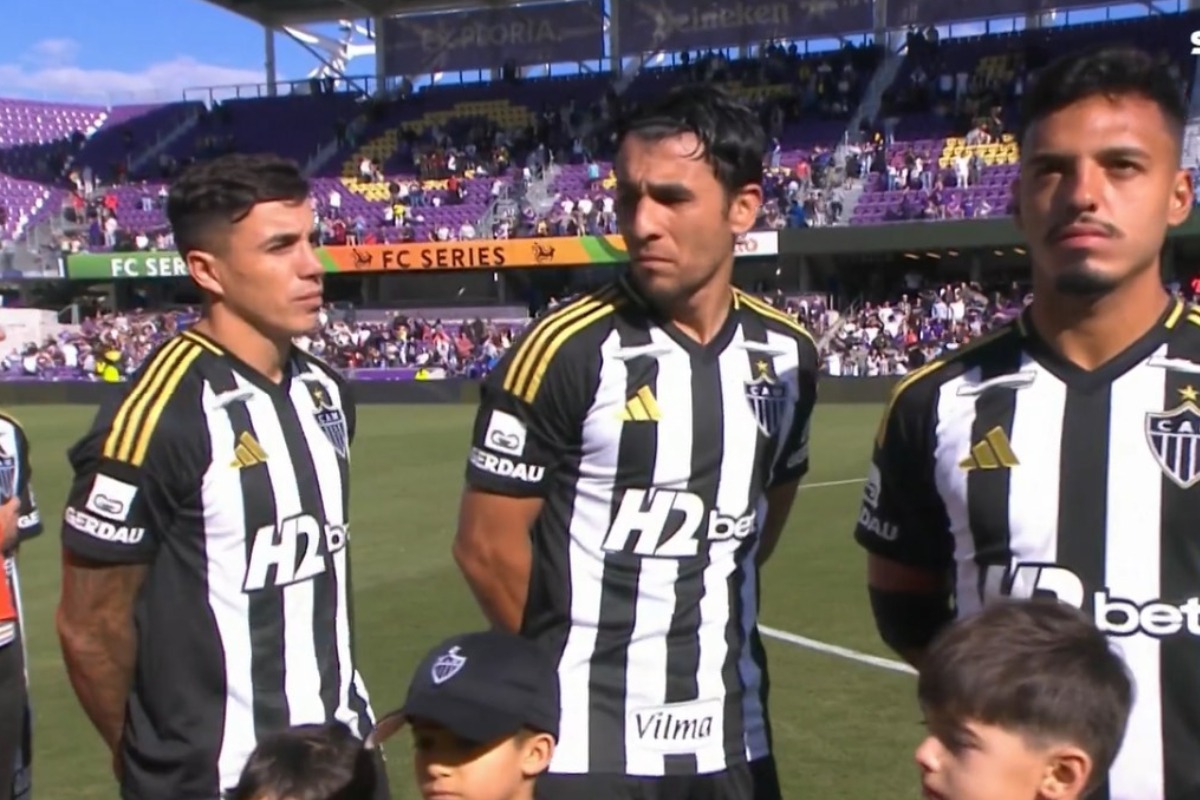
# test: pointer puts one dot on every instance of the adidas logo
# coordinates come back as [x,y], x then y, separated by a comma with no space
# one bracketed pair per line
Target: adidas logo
[994,452]
[248,452]
[642,407]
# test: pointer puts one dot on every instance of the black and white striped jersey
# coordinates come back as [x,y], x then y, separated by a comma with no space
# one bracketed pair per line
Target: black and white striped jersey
[1023,474]
[652,453]
[234,490]
[16,474]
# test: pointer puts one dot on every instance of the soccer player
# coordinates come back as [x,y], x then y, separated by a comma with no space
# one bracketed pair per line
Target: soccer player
[1025,700]
[206,596]
[1061,454]
[19,521]
[634,459]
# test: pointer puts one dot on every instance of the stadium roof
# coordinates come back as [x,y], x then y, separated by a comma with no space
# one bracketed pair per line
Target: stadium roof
[276,13]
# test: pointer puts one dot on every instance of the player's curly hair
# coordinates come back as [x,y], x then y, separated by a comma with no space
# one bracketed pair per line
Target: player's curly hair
[212,195]
[732,139]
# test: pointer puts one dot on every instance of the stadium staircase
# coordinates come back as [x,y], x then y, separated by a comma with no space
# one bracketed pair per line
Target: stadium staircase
[882,79]
[147,156]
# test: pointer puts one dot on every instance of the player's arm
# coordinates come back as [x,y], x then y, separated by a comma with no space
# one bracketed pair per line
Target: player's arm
[117,509]
[902,524]
[520,433]
[792,464]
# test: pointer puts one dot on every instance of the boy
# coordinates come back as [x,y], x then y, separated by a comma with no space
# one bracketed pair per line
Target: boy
[484,710]
[1022,701]
[308,762]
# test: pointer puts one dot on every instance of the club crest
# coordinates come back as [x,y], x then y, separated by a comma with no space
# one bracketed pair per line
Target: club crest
[1174,438]
[330,418]
[768,398]
[447,666]
[8,474]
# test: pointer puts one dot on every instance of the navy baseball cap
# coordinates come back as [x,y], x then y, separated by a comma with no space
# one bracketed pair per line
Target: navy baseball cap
[481,687]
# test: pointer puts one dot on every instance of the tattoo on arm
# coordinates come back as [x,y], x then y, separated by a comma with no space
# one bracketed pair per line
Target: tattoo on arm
[95,627]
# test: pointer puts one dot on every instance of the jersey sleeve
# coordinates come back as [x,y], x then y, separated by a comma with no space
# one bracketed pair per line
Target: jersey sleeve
[902,517]
[793,461]
[530,416]
[29,521]
[132,473]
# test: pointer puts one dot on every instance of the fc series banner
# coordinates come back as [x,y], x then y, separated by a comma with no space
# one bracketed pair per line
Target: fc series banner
[485,254]
[487,39]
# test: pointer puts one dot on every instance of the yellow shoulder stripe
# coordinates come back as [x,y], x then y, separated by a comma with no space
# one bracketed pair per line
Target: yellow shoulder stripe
[129,437]
[203,341]
[535,381]
[531,352]
[931,367]
[770,312]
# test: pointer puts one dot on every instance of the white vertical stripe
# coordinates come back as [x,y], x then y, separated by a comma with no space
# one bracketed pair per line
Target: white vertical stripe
[585,556]
[225,553]
[646,662]
[1132,559]
[301,678]
[1033,496]
[327,463]
[952,436]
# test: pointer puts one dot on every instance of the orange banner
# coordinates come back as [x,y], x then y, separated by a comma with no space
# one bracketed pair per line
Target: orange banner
[566,251]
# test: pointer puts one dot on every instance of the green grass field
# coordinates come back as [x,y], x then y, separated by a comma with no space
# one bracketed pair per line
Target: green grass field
[842,729]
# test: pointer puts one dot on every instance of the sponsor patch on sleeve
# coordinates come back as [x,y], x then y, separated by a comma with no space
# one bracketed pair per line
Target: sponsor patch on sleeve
[111,498]
[505,434]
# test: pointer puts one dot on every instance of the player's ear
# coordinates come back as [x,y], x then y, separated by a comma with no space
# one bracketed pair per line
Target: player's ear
[536,751]
[202,267]
[1068,771]
[1183,196]
[743,208]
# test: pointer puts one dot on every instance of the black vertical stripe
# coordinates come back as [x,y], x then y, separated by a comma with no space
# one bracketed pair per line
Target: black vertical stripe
[1179,575]
[266,613]
[324,584]
[683,637]
[619,584]
[1083,494]
[988,489]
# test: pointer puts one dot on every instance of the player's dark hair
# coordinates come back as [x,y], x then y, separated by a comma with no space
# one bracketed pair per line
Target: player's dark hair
[1036,668]
[308,762]
[212,195]
[732,140]
[1110,71]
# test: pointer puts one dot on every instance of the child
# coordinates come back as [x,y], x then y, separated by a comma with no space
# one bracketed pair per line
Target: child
[1023,701]
[308,762]
[483,709]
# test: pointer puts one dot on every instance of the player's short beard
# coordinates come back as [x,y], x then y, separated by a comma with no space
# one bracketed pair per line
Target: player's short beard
[1084,282]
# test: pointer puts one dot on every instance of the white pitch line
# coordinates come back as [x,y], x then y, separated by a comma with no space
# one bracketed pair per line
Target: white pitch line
[823,484]
[834,650]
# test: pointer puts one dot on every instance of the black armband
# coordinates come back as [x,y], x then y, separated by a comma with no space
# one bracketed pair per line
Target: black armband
[906,620]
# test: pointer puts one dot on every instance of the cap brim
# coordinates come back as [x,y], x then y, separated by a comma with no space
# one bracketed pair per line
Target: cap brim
[465,720]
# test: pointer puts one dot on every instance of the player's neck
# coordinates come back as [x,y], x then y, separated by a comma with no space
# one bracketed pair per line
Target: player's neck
[245,342]
[1091,332]
[702,315]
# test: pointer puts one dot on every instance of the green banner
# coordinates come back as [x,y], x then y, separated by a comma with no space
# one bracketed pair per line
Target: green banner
[148,264]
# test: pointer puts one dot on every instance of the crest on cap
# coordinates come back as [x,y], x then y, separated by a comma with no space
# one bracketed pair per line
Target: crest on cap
[447,666]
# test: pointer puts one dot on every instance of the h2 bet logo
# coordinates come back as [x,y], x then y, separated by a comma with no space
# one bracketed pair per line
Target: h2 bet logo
[1115,616]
